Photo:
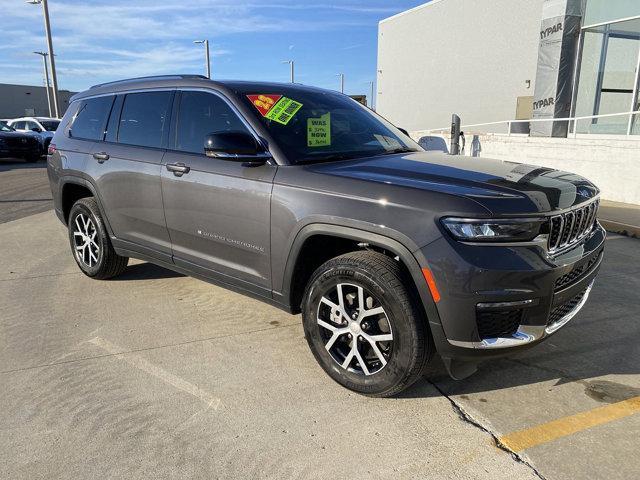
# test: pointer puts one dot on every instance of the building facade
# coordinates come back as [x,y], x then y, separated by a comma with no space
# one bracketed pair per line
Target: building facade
[498,60]
[29,101]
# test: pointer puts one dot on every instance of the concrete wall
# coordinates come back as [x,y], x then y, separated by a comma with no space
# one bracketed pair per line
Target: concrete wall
[613,164]
[15,100]
[470,57]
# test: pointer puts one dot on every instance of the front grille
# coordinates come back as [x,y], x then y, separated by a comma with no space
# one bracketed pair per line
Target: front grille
[19,142]
[498,323]
[575,274]
[569,228]
[562,310]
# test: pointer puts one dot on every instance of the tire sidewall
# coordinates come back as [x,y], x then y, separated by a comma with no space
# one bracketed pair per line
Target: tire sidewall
[402,327]
[82,208]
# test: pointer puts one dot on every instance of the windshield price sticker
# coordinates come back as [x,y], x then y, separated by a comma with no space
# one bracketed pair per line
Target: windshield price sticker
[319,131]
[264,103]
[275,107]
[283,111]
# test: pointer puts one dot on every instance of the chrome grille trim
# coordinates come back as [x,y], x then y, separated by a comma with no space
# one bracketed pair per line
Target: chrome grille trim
[568,228]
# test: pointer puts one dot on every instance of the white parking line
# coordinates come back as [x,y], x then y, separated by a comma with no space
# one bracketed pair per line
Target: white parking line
[144,365]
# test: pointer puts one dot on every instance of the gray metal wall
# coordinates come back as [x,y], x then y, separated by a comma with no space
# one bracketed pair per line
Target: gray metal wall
[471,57]
[15,100]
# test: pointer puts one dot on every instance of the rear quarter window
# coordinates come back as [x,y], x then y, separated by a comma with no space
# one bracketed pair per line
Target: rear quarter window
[91,118]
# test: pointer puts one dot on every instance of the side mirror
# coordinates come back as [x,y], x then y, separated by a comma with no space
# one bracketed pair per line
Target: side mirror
[235,146]
[36,129]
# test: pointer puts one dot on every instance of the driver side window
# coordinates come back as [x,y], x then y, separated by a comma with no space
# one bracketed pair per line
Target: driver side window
[199,114]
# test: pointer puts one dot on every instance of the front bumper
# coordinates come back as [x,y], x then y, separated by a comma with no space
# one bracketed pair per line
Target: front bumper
[544,291]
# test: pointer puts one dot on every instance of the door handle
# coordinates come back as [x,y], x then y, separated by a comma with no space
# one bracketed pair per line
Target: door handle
[101,157]
[178,169]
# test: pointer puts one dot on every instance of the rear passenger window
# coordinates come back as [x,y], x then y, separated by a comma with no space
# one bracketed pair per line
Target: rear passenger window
[144,118]
[202,113]
[91,118]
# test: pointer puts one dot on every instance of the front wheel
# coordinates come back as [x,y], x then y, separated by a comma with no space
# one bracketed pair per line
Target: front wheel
[90,243]
[364,326]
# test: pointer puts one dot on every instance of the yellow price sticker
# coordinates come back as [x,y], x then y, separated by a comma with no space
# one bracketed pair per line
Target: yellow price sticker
[319,131]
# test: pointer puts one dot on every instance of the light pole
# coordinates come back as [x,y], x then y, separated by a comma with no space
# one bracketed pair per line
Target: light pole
[52,63]
[371,84]
[341,75]
[290,62]
[206,55]
[46,77]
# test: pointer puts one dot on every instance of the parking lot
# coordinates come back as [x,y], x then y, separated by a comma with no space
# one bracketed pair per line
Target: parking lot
[159,375]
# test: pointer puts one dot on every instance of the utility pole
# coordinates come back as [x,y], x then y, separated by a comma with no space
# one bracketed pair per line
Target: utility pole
[46,78]
[52,63]
[372,84]
[341,75]
[290,62]
[207,59]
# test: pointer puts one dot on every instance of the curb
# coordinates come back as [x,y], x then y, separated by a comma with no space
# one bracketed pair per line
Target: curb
[632,231]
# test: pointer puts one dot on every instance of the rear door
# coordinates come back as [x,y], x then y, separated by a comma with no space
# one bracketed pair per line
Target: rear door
[126,168]
[218,213]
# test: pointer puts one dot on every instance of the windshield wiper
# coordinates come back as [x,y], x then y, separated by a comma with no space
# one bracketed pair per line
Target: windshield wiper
[329,158]
[399,150]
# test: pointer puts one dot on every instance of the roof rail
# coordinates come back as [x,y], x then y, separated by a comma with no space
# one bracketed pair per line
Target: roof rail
[152,77]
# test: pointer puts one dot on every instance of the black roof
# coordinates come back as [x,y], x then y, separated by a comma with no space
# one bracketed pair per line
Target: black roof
[172,81]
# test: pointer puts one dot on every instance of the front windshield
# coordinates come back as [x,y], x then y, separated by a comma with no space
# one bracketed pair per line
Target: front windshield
[5,128]
[315,125]
[50,125]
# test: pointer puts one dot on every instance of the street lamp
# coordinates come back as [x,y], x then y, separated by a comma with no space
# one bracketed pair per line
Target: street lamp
[46,77]
[341,75]
[54,78]
[290,62]
[371,84]
[206,55]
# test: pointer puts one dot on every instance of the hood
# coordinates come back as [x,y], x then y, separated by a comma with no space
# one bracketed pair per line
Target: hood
[17,135]
[502,187]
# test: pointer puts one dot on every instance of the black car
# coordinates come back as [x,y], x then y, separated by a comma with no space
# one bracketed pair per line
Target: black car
[18,145]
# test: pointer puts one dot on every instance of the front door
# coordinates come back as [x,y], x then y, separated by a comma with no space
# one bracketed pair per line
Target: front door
[217,211]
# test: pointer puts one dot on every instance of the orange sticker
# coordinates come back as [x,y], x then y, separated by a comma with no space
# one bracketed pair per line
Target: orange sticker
[263,102]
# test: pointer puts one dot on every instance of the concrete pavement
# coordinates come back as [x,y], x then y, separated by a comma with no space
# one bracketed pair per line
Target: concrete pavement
[159,375]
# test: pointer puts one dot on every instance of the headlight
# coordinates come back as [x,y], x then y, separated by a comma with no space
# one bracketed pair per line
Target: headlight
[488,230]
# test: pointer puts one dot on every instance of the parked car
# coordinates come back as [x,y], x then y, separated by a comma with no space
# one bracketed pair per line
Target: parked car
[42,127]
[307,200]
[18,145]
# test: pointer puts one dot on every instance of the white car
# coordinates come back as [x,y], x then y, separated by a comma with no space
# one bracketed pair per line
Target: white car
[42,127]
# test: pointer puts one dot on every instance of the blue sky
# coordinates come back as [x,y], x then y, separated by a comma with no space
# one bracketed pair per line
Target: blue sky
[102,40]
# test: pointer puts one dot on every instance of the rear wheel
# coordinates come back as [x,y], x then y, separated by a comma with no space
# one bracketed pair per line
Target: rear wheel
[364,326]
[90,243]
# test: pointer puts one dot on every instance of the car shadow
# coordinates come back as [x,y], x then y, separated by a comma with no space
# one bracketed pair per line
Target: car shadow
[146,271]
[7,164]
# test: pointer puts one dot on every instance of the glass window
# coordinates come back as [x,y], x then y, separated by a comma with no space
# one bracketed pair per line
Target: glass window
[601,11]
[608,76]
[144,118]
[50,125]
[202,113]
[315,126]
[90,120]
[19,125]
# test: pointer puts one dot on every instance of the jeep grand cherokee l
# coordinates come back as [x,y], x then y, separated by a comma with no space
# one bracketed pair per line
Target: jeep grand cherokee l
[310,201]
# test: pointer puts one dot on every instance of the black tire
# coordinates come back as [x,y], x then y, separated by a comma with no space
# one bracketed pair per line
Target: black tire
[100,262]
[385,283]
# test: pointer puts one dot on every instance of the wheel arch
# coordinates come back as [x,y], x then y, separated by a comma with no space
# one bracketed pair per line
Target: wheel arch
[73,189]
[299,268]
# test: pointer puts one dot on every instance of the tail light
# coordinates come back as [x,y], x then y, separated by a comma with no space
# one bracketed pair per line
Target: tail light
[52,149]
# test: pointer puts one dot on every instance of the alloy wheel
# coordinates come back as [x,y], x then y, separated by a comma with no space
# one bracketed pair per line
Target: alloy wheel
[355,329]
[87,249]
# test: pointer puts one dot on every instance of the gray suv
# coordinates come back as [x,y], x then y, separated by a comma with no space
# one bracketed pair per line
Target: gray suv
[306,199]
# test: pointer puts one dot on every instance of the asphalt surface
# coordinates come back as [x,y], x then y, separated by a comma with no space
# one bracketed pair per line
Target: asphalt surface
[157,375]
[24,189]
